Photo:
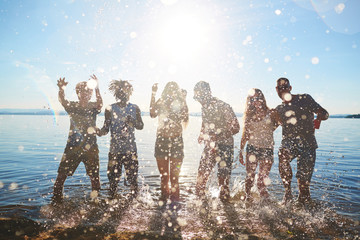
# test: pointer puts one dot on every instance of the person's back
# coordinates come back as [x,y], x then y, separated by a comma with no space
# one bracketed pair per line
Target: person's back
[297,117]
[216,116]
[82,122]
[219,124]
[298,138]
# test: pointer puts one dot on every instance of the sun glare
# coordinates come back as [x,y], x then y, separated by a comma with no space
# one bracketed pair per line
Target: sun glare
[183,36]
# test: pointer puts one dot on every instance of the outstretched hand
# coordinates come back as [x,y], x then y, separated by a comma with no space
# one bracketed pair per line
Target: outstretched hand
[93,77]
[61,83]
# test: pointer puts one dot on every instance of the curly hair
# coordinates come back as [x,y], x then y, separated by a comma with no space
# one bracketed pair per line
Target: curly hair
[120,89]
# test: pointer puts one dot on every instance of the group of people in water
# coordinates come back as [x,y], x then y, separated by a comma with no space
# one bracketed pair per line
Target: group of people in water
[219,124]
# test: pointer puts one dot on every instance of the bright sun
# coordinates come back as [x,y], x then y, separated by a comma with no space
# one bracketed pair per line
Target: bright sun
[183,36]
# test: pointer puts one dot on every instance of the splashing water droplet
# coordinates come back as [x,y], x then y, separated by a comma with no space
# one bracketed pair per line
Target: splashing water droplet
[91,84]
[13,186]
[278,12]
[339,8]
[252,158]
[315,60]
[287,97]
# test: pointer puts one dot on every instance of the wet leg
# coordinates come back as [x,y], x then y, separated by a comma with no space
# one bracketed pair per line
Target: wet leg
[250,175]
[207,163]
[264,170]
[175,167]
[114,173]
[58,187]
[285,173]
[163,166]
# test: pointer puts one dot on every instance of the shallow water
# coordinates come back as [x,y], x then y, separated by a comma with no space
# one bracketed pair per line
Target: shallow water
[32,146]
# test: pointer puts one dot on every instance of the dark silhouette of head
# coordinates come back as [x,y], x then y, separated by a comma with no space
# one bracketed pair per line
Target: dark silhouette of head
[121,89]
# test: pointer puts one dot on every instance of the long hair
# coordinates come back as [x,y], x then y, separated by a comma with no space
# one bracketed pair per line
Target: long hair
[174,99]
[250,110]
[121,89]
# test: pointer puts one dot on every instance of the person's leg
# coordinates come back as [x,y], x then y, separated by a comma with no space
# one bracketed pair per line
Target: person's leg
[90,159]
[206,166]
[69,162]
[251,165]
[114,172]
[264,170]
[175,167]
[306,165]
[58,187]
[163,166]
[285,172]
[131,166]
[226,154]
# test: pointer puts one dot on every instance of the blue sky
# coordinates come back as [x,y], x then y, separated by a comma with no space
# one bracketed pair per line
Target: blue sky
[234,45]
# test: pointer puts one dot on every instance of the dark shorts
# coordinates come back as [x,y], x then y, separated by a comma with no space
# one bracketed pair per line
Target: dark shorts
[166,147]
[260,154]
[74,155]
[305,160]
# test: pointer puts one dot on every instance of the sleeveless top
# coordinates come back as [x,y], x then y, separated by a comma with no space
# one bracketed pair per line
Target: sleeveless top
[122,133]
[261,133]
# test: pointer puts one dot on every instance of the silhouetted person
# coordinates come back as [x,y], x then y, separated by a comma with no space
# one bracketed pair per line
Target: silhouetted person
[172,112]
[81,145]
[122,118]
[298,138]
[219,124]
[260,123]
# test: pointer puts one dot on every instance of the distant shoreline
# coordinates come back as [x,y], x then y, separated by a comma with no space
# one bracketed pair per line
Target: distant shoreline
[44,112]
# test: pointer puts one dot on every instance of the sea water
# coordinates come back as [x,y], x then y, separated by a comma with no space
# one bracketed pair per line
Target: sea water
[31,148]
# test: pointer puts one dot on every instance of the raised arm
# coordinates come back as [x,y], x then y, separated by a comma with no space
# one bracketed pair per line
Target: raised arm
[105,129]
[153,108]
[62,84]
[99,101]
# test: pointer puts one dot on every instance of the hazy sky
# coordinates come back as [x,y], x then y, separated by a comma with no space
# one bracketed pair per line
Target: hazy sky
[234,45]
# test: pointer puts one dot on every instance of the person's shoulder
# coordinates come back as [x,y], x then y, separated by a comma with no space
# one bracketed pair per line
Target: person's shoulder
[133,105]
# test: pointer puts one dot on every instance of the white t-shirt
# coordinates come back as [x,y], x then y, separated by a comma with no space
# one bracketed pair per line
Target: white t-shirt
[261,133]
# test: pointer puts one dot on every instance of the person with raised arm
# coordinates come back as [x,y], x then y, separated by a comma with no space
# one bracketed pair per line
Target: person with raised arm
[172,112]
[81,144]
[121,119]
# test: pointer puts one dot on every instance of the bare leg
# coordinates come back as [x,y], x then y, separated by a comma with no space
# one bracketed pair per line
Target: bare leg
[58,187]
[285,173]
[304,191]
[175,167]
[264,170]
[163,166]
[250,176]
[207,163]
